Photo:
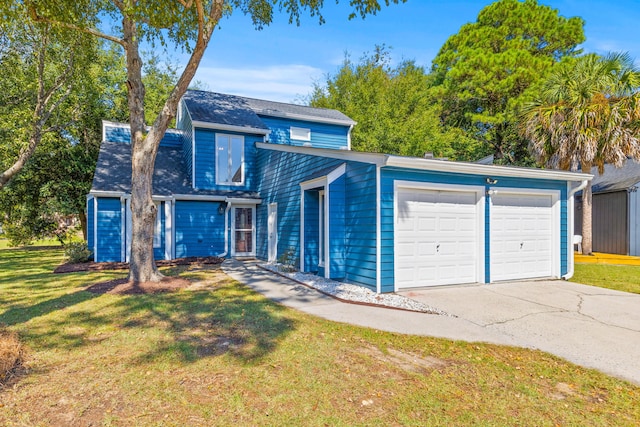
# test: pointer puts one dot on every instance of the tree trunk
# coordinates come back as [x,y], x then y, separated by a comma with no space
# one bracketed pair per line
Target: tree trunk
[587,233]
[82,216]
[142,267]
[144,149]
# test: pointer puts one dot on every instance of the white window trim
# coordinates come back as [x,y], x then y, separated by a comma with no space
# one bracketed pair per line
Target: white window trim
[229,136]
[480,214]
[300,134]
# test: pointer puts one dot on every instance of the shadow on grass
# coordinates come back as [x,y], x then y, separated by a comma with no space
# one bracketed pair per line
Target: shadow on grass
[21,313]
[226,319]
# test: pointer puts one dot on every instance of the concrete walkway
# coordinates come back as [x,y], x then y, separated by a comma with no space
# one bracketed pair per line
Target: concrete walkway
[593,327]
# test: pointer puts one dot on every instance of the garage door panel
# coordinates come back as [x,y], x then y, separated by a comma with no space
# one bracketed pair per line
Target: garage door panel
[444,234]
[521,236]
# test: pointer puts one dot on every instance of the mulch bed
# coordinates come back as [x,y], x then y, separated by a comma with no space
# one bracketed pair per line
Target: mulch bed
[127,287]
[100,266]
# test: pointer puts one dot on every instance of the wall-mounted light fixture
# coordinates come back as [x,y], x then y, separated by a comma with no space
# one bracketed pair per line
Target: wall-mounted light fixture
[221,207]
[491,181]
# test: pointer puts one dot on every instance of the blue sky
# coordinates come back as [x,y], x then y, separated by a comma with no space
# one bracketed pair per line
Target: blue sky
[282,61]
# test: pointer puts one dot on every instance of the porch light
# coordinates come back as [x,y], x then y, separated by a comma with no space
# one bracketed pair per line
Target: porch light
[491,181]
[221,207]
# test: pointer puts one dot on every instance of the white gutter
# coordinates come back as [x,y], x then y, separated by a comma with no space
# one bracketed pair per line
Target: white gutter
[571,215]
[230,128]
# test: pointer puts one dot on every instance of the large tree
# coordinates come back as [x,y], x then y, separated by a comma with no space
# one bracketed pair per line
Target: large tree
[187,23]
[41,65]
[482,71]
[586,114]
[393,108]
[53,184]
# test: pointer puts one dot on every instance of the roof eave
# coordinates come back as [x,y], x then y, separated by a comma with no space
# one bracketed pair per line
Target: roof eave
[230,128]
[304,117]
[479,169]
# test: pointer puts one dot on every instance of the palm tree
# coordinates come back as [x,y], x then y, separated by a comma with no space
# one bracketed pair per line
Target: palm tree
[586,114]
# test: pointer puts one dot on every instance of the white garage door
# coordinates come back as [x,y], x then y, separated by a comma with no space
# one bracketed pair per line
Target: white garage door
[521,236]
[436,235]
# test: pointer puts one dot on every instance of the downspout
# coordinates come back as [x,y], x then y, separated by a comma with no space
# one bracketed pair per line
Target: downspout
[571,215]
[226,230]
[349,137]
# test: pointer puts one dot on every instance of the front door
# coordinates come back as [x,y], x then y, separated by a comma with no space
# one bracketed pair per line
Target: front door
[272,229]
[243,231]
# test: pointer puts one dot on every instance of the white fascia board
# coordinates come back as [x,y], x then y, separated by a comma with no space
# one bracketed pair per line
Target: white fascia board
[243,201]
[199,197]
[478,169]
[355,156]
[314,183]
[230,128]
[304,117]
[100,193]
[336,173]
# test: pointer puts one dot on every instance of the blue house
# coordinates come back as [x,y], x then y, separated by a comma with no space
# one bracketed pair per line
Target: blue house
[243,177]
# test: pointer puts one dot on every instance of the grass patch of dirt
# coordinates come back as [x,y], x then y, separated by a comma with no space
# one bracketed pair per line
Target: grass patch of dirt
[129,287]
[12,355]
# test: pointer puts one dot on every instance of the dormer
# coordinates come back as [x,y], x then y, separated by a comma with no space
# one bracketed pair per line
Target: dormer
[221,132]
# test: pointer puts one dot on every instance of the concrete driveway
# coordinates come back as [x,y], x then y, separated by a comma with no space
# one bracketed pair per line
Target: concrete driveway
[590,326]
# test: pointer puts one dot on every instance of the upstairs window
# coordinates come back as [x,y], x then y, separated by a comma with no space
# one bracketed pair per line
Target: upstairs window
[229,159]
[300,134]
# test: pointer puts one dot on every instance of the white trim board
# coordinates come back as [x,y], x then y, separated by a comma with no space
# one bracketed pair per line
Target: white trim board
[230,128]
[416,163]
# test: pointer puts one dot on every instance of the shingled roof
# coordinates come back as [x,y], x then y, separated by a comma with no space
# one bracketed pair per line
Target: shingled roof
[113,173]
[218,108]
[616,179]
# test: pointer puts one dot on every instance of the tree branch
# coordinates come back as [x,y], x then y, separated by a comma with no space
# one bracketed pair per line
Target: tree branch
[91,31]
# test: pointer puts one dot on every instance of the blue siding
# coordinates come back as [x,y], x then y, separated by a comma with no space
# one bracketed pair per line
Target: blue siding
[186,127]
[122,134]
[205,174]
[158,253]
[109,223]
[389,175]
[90,223]
[199,229]
[281,174]
[117,134]
[337,229]
[322,135]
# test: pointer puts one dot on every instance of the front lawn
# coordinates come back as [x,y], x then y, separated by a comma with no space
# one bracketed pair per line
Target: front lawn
[619,277]
[220,354]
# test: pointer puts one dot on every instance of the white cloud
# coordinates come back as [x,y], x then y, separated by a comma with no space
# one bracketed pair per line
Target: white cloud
[284,83]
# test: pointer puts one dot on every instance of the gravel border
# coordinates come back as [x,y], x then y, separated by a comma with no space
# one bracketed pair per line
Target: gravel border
[353,293]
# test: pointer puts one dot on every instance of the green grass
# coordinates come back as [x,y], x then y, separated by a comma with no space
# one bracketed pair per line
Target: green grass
[619,277]
[224,355]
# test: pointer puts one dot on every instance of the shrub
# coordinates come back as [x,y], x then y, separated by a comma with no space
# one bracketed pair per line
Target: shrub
[288,260]
[11,355]
[77,252]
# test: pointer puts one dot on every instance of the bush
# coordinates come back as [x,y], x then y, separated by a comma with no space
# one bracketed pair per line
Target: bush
[77,252]
[288,260]
[11,355]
